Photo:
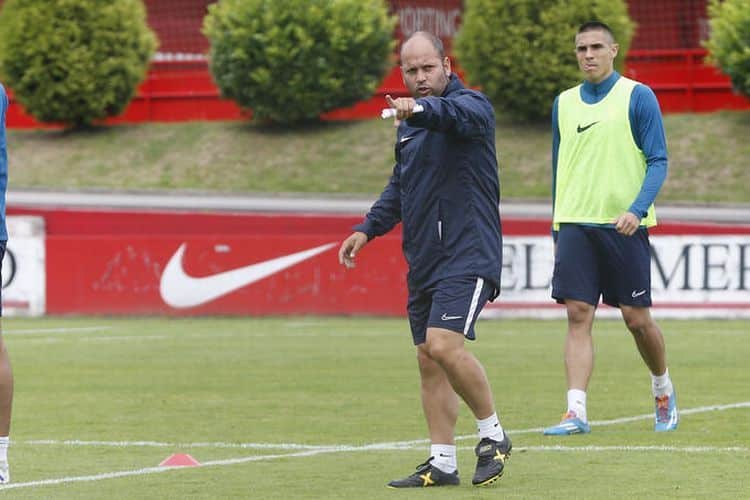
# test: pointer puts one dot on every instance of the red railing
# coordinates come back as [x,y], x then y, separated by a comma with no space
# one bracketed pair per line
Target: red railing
[180,90]
[174,92]
[683,81]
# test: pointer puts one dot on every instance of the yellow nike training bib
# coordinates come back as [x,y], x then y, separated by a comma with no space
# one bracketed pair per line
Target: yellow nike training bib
[600,169]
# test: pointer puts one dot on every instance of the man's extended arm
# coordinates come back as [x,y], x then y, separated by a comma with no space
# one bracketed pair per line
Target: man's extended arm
[469,114]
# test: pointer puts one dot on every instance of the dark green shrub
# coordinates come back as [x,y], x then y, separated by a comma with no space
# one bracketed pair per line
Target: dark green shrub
[729,43]
[74,61]
[521,52]
[289,61]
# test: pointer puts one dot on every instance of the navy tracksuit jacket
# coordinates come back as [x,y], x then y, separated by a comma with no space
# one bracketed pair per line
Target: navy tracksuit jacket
[445,189]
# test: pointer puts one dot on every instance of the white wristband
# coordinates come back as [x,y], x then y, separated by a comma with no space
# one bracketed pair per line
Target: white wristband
[391,112]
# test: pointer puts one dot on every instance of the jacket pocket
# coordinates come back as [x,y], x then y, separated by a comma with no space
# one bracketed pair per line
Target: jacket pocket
[444,228]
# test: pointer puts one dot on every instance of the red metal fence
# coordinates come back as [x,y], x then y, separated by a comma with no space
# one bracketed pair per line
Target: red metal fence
[666,54]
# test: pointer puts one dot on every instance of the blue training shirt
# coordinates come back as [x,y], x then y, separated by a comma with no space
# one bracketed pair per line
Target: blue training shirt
[3,163]
[648,132]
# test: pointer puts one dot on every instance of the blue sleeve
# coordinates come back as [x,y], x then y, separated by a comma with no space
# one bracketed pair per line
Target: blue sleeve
[555,151]
[3,148]
[3,162]
[648,132]
[469,114]
[385,213]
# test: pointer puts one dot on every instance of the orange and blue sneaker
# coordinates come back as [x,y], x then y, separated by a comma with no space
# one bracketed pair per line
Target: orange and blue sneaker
[4,473]
[425,476]
[570,424]
[667,416]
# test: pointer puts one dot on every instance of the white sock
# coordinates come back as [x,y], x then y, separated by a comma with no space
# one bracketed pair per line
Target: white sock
[577,403]
[661,384]
[490,428]
[444,457]
[4,442]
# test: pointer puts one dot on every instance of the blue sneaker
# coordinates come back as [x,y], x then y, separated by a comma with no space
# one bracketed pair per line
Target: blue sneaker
[570,424]
[4,473]
[667,415]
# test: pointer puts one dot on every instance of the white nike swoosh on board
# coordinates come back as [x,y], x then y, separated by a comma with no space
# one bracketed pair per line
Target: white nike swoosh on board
[178,289]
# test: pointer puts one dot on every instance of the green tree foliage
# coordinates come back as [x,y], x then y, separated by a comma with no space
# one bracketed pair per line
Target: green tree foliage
[521,52]
[289,61]
[729,43]
[74,61]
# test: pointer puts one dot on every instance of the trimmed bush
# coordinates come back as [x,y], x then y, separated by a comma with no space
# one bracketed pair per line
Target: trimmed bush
[74,61]
[522,53]
[729,43]
[289,61]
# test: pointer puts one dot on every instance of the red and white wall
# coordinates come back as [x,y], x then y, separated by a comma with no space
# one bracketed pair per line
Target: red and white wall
[86,261]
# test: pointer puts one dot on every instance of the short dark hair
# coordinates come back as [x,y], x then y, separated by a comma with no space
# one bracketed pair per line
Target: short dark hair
[434,40]
[596,26]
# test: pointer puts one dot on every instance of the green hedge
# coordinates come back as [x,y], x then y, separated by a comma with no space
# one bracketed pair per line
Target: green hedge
[729,44]
[289,61]
[521,52]
[74,61]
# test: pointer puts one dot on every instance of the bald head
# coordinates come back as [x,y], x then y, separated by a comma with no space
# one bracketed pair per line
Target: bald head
[424,67]
[424,36]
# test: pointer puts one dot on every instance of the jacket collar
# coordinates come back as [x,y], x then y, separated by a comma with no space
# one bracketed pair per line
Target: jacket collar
[454,84]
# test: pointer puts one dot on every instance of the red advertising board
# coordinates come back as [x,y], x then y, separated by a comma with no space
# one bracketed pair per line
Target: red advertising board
[220,274]
[185,263]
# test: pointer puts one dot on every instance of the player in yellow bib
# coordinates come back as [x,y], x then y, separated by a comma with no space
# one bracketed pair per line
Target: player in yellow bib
[609,161]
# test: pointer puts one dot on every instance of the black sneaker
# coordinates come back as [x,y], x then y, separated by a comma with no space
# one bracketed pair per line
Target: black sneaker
[491,457]
[426,475]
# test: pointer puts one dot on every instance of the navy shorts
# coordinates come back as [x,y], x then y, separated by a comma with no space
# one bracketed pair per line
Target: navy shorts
[453,304]
[598,261]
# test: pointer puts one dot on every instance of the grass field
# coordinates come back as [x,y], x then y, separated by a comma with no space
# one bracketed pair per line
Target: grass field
[708,158]
[329,408]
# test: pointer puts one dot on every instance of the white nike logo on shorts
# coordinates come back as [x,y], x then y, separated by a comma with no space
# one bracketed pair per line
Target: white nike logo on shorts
[445,317]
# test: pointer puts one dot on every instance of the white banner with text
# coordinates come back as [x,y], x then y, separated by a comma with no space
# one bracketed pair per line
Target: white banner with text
[691,276]
[23,267]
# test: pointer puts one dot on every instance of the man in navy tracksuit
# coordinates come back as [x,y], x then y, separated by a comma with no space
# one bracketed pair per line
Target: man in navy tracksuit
[445,190]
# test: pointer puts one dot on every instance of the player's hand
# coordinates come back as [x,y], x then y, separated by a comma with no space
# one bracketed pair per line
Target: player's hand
[404,107]
[350,247]
[627,224]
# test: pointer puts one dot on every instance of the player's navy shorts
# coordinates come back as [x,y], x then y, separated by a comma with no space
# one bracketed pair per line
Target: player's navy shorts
[453,304]
[2,254]
[596,261]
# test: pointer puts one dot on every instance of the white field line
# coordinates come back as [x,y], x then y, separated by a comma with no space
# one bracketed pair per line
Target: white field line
[159,444]
[58,340]
[308,450]
[124,337]
[647,416]
[82,329]
[339,449]
[670,449]
[395,445]
[156,470]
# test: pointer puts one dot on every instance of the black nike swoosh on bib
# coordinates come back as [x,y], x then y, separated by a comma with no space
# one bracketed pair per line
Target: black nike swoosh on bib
[583,129]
